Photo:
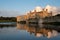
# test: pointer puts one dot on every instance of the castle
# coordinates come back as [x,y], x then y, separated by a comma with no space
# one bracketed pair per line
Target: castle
[41,14]
[31,15]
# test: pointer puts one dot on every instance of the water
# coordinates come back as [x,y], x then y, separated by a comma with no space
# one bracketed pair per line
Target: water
[29,32]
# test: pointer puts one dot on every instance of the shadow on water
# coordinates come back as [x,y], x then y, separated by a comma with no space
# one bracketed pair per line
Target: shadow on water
[40,29]
[2,25]
[52,27]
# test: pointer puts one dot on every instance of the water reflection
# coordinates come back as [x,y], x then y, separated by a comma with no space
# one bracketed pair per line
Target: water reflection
[7,24]
[39,30]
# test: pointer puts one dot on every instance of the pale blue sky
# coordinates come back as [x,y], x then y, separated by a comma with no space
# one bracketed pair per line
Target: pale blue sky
[25,5]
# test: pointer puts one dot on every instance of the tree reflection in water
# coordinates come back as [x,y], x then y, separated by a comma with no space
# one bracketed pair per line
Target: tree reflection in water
[39,30]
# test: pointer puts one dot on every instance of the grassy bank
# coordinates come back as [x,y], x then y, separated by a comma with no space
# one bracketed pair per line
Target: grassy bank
[7,19]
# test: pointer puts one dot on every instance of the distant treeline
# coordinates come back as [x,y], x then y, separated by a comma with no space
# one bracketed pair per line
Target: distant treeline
[7,19]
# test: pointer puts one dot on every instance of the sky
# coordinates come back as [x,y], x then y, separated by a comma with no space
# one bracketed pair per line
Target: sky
[20,7]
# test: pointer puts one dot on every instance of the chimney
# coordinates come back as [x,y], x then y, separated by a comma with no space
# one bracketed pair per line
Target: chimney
[30,11]
[43,9]
[35,11]
[46,9]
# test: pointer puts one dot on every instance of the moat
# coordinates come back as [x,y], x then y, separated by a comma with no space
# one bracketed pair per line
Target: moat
[17,31]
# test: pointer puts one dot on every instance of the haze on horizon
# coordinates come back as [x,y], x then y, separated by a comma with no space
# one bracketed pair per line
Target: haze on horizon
[21,7]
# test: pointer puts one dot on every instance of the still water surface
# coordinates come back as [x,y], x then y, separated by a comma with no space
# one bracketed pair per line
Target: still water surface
[29,32]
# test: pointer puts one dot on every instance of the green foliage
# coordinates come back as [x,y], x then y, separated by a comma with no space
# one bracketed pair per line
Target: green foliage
[7,19]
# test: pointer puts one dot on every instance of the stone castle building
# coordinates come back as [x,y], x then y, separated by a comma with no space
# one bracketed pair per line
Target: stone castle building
[40,14]
[34,14]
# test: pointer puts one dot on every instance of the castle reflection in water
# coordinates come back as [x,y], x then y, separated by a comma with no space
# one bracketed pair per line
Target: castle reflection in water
[38,30]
